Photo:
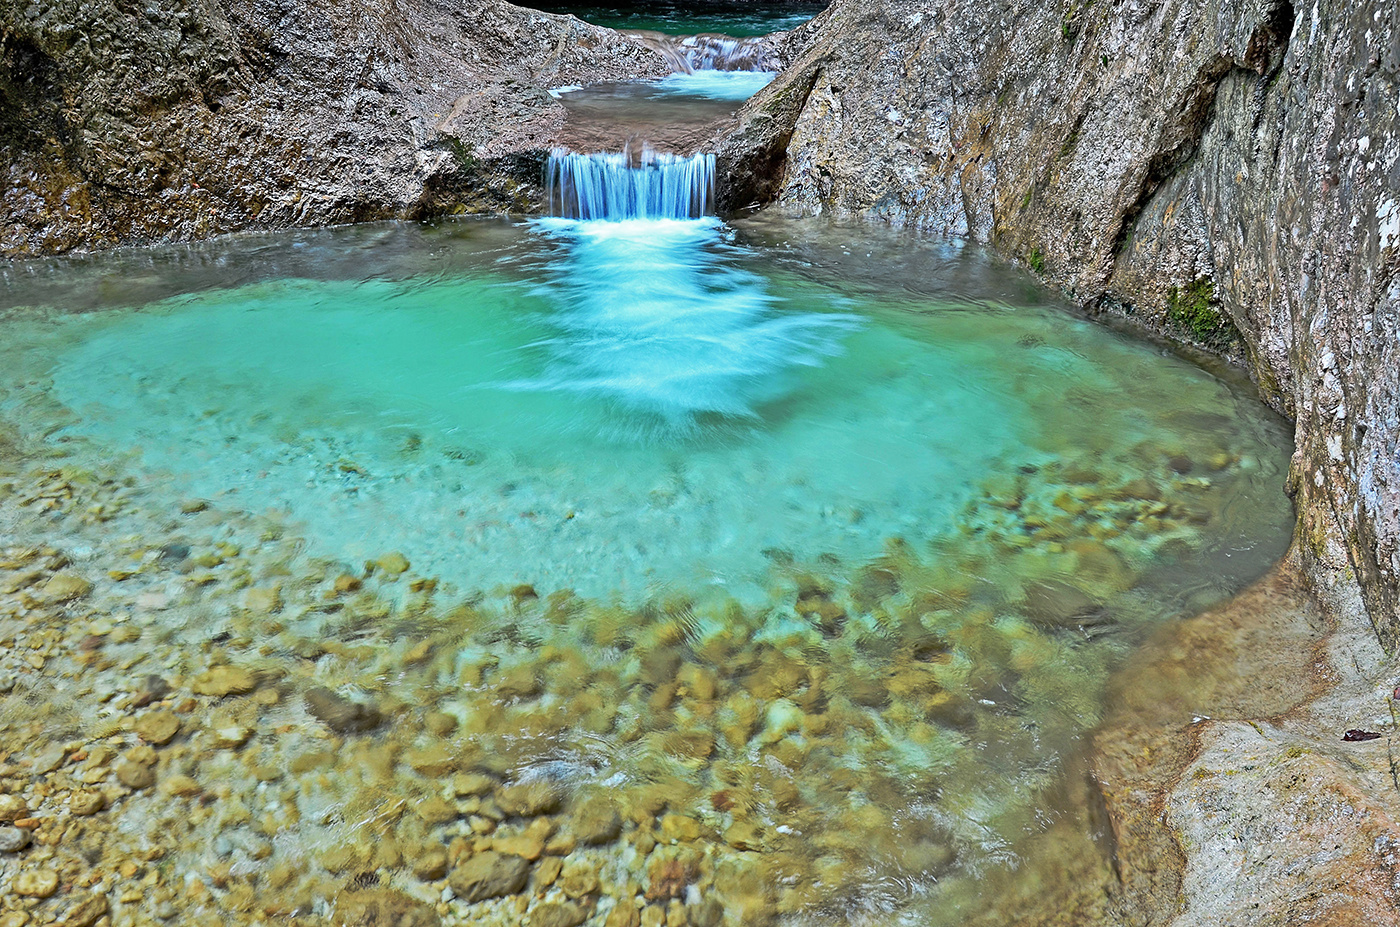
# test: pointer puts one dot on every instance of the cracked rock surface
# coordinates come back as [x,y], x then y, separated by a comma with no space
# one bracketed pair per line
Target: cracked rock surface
[184,119]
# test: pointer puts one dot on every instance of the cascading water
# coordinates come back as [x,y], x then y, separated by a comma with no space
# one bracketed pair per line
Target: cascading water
[712,52]
[617,186]
[657,317]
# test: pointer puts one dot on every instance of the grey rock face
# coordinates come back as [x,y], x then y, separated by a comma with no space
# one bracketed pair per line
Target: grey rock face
[188,118]
[1227,171]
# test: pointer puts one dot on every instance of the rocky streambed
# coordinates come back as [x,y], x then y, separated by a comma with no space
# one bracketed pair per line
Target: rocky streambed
[189,695]
[207,726]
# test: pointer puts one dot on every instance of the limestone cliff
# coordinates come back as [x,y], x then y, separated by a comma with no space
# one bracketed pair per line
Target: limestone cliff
[125,122]
[1225,170]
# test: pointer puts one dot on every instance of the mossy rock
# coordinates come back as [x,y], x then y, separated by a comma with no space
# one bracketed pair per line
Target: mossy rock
[1194,312]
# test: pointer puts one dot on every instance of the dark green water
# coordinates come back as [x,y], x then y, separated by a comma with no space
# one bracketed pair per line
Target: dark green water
[736,19]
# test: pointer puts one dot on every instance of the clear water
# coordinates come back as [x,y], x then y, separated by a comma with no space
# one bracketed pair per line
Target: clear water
[736,19]
[874,515]
[716,85]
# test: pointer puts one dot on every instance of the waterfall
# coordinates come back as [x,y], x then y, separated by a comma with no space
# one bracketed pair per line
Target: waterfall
[619,186]
[711,52]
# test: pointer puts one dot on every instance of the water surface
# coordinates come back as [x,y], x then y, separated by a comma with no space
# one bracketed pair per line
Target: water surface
[737,19]
[822,539]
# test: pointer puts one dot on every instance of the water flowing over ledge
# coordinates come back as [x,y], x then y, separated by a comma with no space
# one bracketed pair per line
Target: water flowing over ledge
[712,52]
[653,185]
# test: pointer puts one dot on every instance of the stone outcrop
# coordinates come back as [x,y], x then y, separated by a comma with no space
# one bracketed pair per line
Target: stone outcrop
[184,119]
[1227,171]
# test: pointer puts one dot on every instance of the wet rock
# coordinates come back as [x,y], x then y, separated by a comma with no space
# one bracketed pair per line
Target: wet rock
[263,600]
[86,912]
[489,875]
[520,681]
[346,583]
[660,665]
[13,839]
[1180,463]
[158,727]
[595,820]
[434,761]
[1057,604]
[49,759]
[530,844]
[340,714]
[679,828]
[707,913]
[65,587]
[224,680]
[557,914]
[134,775]
[36,883]
[783,718]
[431,864]
[434,810]
[744,835]
[181,786]
[383,908]
[625,914]
[86,802]
[579,878]
[12,808]
[698,682]
[228,731]
[529,799]
[467,785]
[667,877]
[153,688]
[393,563]
[440,723]
[547,872]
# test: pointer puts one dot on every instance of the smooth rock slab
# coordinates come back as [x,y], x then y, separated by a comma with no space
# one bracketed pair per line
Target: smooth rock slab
[489,875]
[1287,828]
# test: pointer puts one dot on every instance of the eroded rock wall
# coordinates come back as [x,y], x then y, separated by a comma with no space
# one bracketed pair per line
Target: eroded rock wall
[1227,171]
[124,122]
